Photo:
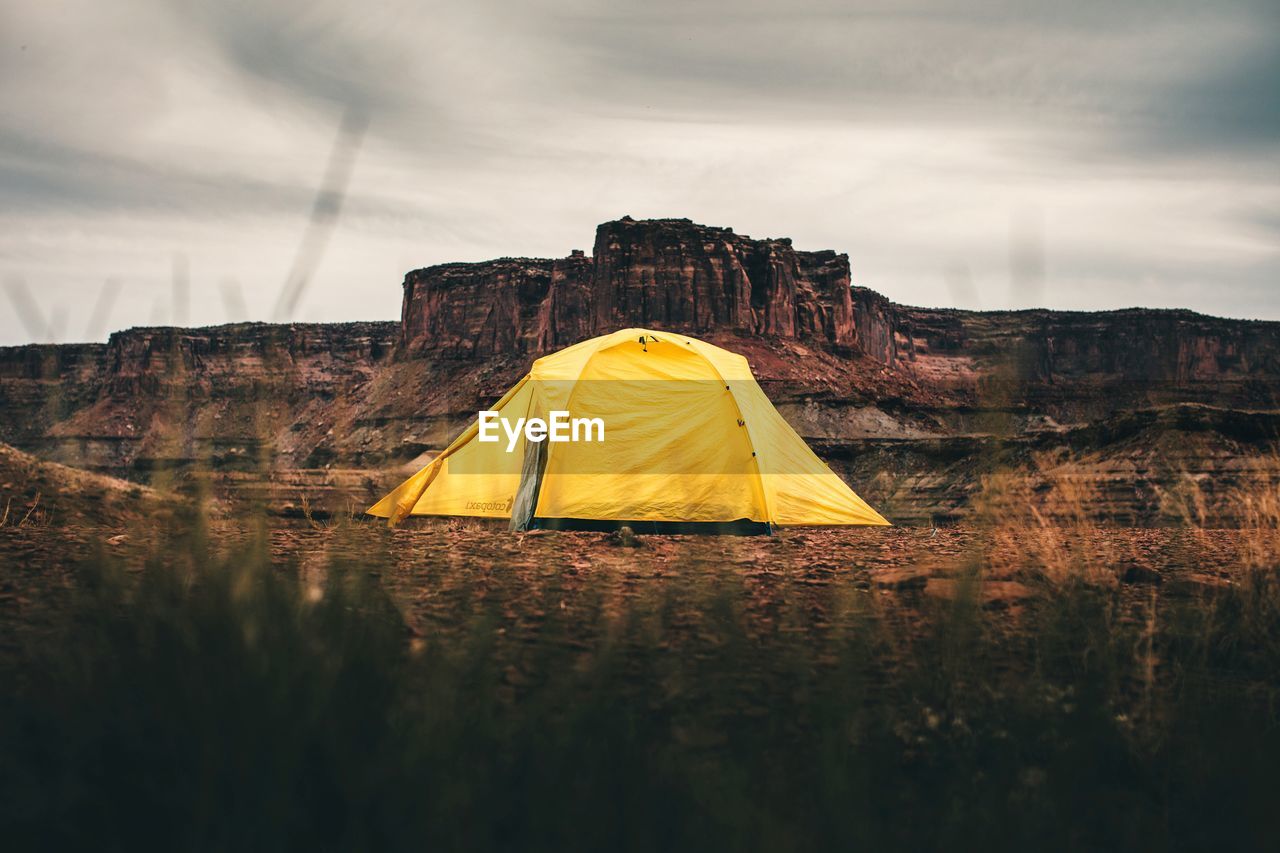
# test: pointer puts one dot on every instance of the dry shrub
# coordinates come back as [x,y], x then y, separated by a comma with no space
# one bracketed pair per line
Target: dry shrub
[1045,521]
[1245,611]
[1259,506]
[31,514]
[1187,503]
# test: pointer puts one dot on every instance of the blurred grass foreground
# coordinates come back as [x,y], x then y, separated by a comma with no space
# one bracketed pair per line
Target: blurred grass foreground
[201,693]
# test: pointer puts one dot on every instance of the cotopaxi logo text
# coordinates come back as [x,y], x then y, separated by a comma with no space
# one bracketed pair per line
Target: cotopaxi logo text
[557,427]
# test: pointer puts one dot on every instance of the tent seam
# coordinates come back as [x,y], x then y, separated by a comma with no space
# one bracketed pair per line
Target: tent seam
[751,441]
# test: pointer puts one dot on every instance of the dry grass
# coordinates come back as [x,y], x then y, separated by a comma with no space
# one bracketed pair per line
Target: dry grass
[1045,522]
[31,514]
[309,705]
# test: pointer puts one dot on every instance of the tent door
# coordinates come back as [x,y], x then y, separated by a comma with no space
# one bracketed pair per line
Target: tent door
[526,499]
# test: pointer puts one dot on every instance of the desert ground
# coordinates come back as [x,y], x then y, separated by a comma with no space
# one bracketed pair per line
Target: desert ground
[329,682]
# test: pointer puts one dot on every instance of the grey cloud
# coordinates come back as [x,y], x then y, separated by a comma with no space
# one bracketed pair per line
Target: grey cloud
[41,176]
[38,177]
[1231,102]
[1146,78]
[902,131]
[315,50]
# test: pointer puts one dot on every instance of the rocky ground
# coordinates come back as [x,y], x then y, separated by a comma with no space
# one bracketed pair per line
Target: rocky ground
[440,572]
[35,494]
[55,519]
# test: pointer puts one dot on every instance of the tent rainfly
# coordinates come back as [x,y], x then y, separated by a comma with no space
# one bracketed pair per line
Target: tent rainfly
[688,436]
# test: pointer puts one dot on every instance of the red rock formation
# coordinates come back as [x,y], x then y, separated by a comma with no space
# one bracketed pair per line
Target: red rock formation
[876,326]
[42,384]
[915,403]
[158,397]
[671,273]
[1079,365]
[675,274]
[478,310]
[662,273]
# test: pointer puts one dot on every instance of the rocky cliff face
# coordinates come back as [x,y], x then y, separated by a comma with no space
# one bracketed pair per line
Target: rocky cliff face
[511,305]
[663,273]
[914,405]
[43,384]
[155,398]
[674,274]
[1136,345]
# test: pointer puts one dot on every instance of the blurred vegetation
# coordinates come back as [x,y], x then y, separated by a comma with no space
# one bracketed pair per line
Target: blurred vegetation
[213,700]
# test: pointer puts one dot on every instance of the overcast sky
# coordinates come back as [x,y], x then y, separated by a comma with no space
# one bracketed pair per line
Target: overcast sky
[972,154]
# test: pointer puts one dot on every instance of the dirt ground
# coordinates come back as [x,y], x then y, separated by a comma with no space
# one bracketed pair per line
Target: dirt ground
[914,685]
[440,572]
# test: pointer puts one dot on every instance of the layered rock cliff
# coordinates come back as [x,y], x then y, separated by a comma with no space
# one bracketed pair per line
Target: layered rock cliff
[677,275]
[158,398]
[662,273]
[914,405]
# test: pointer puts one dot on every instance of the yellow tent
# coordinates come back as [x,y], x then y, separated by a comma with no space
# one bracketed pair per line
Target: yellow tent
[684,434]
